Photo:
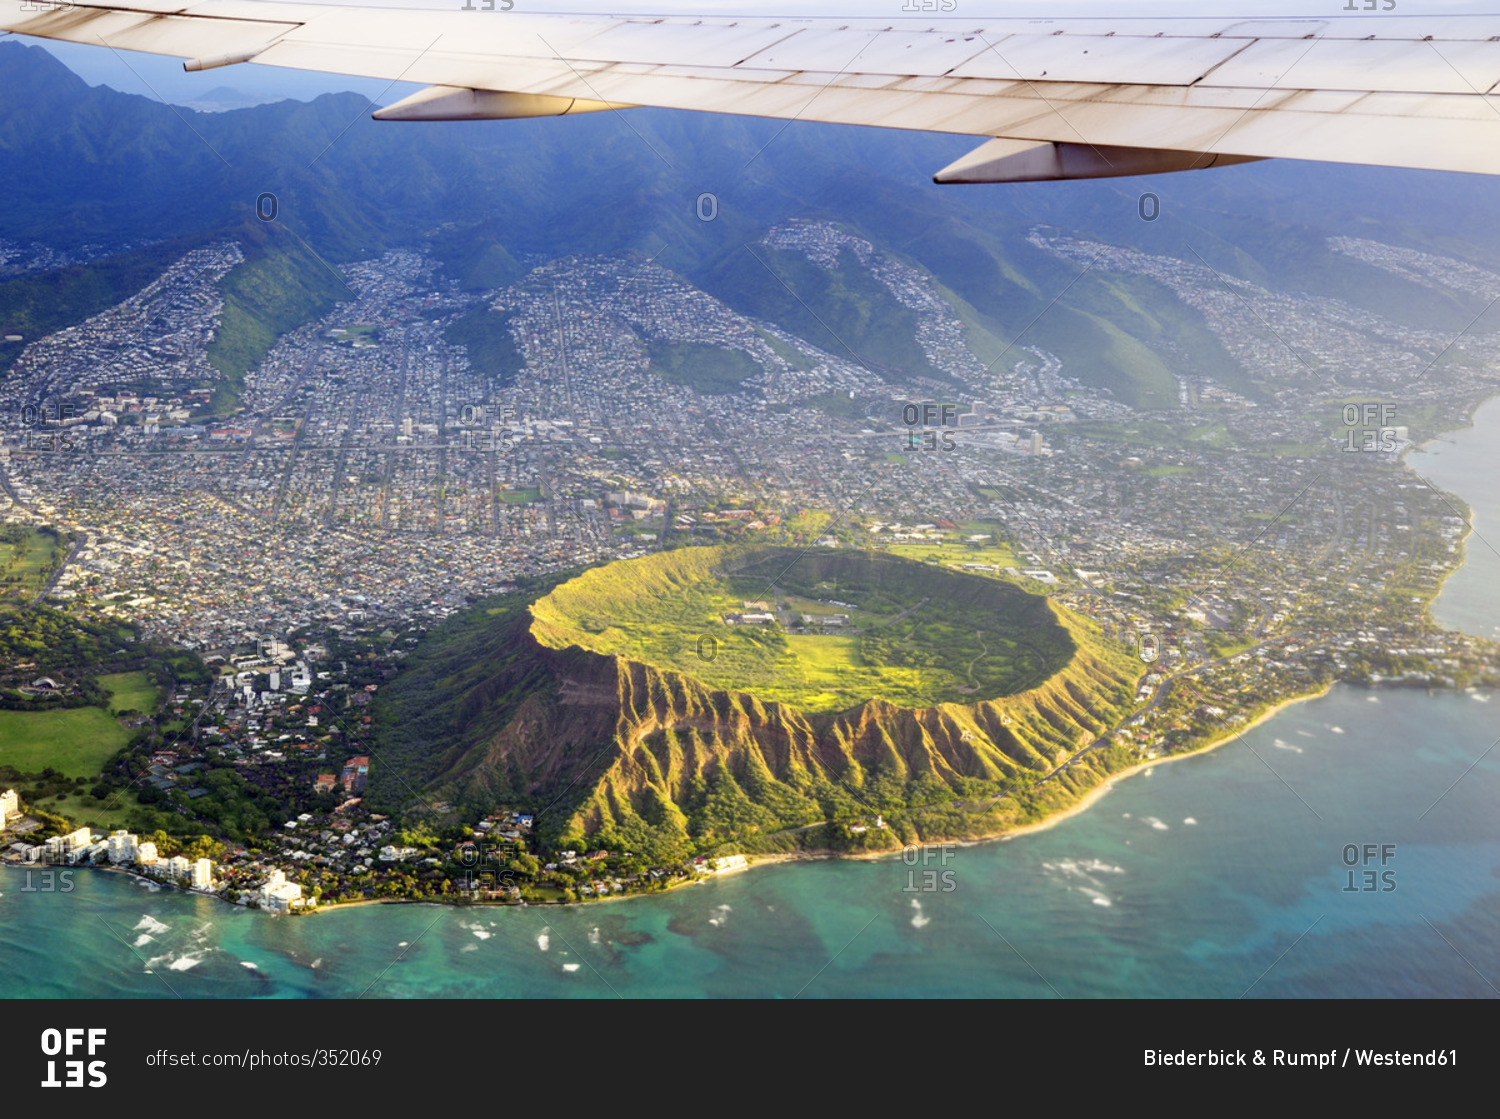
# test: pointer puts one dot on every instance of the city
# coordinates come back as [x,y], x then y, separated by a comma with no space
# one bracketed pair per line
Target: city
[372,481]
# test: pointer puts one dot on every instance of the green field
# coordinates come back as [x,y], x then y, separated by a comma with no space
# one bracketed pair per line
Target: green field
[114,811]
[950,552]
[832,670]
[131,691]
[76,741]
[522,495]
[27,556]
[917,634]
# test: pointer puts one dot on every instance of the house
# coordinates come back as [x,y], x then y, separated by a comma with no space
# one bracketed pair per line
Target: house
[325,783]
[757,619]
[355,773]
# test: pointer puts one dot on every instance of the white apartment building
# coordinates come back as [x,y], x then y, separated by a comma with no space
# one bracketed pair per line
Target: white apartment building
[67,847]
[201,876]
[121,847]
[279,895]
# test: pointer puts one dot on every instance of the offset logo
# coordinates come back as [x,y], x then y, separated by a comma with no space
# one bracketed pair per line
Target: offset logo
[73,1044]
[930,881]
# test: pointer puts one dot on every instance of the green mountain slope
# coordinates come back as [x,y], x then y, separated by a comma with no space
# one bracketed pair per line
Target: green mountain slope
[280,285]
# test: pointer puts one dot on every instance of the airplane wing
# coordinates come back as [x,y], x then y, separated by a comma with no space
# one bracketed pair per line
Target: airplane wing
[1060,98]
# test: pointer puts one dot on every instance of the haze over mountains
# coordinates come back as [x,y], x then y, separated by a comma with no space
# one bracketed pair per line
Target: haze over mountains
[88,166]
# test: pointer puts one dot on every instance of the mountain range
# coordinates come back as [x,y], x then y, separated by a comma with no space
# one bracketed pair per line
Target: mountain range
[89,167]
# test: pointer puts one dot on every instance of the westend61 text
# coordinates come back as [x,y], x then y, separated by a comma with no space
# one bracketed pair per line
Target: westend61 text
[1157,1058]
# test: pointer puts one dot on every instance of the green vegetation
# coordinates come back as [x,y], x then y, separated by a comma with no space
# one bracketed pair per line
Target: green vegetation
[474,257]
[839,404]
[712,370]
[857,317]
[914,634]
[75,741]
[790,354]
[131,691]
[512,705]
[1214,435]
[953,552]
[492,350]
[28,558]
[46,302]
[280,285]
[50,640]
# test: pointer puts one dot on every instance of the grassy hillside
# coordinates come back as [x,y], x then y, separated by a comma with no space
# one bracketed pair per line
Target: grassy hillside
[707,369]
[280,285]
[845,310]
[486,334]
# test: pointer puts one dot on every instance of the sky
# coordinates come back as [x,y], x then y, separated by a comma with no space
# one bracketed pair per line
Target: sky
[163,78]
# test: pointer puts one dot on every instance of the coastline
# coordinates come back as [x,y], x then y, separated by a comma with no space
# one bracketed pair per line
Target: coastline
[1098,791]
[1470,526]
[1081,805]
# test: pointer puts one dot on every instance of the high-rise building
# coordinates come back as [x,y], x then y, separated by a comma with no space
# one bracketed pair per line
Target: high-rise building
[122,847]
[201,875]
[279,895]
[65,846]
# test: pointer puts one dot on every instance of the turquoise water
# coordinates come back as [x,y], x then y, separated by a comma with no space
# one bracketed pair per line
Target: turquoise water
[1212,876]
[1129,898]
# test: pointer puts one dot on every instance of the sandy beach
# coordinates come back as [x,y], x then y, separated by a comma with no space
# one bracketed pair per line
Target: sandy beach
[1083,804]
[1088,799]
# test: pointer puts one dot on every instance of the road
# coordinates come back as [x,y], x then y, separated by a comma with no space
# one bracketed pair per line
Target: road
[77,547]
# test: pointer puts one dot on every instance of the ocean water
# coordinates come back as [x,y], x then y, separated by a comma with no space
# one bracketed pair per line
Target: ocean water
[1349,847]
[1467,463]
